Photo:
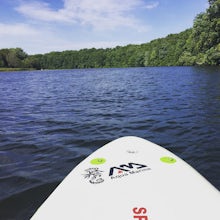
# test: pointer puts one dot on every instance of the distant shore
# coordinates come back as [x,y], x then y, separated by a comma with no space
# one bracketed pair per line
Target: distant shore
[15,69]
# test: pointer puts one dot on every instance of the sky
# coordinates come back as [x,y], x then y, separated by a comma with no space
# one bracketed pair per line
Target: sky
[42,26]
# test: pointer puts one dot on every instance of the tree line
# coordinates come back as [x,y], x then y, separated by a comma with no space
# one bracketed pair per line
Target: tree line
[199,45]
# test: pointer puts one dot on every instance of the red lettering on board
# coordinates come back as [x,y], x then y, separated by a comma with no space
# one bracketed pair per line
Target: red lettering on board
[139,210]
[139,213]
[141,217]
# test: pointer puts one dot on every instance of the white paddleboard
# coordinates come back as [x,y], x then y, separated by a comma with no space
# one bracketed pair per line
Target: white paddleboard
[131,178]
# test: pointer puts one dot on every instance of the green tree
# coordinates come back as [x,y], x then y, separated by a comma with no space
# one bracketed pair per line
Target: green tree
[3,57]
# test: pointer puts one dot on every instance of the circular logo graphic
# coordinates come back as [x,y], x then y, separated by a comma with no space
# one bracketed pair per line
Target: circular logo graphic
[98,161]
[169,160]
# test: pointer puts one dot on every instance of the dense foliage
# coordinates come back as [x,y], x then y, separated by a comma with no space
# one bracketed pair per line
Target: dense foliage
[199,45]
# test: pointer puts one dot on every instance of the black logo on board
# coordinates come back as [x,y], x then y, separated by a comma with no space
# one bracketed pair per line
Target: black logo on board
[126,169]
[94,175]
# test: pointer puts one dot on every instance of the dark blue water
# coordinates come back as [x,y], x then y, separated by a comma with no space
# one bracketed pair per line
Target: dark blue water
[52,120]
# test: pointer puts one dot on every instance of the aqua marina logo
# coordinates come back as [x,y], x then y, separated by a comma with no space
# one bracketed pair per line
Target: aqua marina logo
[127,169]
[94,175]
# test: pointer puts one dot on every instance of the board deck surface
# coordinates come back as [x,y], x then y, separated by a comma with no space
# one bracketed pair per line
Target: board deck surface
[131,178]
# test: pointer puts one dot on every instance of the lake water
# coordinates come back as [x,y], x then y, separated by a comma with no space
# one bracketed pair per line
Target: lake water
[51,120]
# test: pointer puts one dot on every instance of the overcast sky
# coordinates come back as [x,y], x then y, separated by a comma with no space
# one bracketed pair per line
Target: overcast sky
[41,26]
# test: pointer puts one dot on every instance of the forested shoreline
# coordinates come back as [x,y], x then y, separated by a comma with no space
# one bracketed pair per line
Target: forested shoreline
[199,45]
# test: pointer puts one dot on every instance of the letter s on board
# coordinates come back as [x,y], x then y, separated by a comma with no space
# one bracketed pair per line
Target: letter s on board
[139,210]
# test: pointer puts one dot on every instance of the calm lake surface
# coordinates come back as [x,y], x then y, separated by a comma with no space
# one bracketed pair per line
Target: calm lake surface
[52,120]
